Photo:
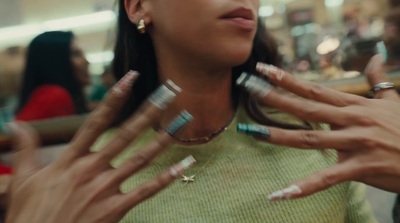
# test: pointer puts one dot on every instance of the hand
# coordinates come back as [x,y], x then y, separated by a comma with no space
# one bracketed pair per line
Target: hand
[365,132]
[82,186]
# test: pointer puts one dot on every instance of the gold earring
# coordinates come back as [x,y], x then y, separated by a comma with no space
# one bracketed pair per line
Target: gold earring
[141,27]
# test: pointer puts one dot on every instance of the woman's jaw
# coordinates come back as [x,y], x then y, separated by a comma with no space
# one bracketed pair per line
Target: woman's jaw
[215,33]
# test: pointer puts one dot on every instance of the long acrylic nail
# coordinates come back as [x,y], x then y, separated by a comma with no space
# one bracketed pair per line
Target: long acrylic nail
[382,50]
[253,130]
[286,193]
[178,169]
[11,128]
[270,71]
[179,122]
[124,85]
[254,84]
[164,94]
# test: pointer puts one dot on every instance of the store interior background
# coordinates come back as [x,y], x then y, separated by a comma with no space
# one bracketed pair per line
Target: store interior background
[300,27]
[319,40]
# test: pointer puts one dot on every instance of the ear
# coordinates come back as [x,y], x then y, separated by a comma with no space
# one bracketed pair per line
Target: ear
[136,11]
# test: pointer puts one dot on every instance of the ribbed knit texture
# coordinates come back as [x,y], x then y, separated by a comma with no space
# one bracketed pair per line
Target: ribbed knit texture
[235,184]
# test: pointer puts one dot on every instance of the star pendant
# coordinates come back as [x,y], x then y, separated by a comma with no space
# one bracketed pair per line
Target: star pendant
[187,179]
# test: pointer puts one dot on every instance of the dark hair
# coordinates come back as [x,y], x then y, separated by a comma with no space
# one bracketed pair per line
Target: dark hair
[393,44]
[49,62]
[135,51]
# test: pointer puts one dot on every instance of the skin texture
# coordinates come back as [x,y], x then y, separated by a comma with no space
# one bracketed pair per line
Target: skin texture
[193,50]
[197,50]
[80,64]
[365,132]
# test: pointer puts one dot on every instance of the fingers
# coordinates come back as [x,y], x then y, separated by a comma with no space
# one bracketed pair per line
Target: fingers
[376,74]
[147,116]
[306,89]
[150,188]
[321,180]
[101,118]
[146,155]
[313,139]
[25,141]
[304,109]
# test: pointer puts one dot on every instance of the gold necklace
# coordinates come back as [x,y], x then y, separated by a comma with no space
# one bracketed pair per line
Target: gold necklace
[190,179]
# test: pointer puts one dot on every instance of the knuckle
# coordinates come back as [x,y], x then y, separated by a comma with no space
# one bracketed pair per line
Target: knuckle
[163,141]
[314,90]
[146,191]
[309,109]
[149,113]
[366,142]
[329,179]
[97,125]
[308,139]
[373,169]
[140,160]
[366,120]
[127,134]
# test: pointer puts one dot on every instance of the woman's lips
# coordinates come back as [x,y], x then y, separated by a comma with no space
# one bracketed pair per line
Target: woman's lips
[244,24]
[242,18]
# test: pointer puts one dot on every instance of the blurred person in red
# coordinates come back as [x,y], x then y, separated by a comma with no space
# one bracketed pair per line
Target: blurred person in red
[55,75]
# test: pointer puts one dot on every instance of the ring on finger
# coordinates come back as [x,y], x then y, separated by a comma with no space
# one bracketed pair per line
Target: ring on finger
[380,87]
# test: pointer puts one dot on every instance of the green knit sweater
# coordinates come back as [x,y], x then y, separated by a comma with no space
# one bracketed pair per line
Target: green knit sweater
[234,186]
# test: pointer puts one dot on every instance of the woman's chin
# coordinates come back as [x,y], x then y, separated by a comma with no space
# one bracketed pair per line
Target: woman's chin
[237,59]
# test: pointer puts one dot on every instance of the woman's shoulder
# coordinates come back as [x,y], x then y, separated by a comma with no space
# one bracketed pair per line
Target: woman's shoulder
[51,90]
[47,101]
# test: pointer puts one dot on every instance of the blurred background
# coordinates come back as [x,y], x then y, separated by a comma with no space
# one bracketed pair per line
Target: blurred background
[319,40]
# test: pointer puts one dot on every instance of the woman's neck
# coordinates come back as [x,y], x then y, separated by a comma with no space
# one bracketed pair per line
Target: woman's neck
[206,94]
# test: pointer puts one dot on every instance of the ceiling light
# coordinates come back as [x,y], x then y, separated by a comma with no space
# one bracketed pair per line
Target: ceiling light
[101,57]
[18,35]
[266,11]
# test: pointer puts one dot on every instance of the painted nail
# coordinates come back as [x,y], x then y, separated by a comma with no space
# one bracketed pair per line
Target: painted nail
[253,130]
[270,71]
[164,94]
[124,85]
[179,122]
[11,128]
[286,193]
[382,50]
[178,169]
[254,84]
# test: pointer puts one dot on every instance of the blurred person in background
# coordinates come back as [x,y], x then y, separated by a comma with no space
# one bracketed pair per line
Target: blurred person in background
[56,73]
[100,90]
[392,40]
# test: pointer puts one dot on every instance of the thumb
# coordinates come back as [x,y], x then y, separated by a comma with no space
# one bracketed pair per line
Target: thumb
[376,74]
[25,141]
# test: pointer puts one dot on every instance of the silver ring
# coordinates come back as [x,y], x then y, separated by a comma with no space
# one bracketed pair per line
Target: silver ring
[381,86]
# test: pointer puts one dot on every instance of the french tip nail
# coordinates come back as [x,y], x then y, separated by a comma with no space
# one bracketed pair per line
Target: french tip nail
[182,166]
[188,161]
[254,84]
[164,94]
[132,72]
[242,127]
[124,85]
[253,130]
[259,66]
[242,78]
[173,86]
[11,128]
[179,122]
[286,193]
